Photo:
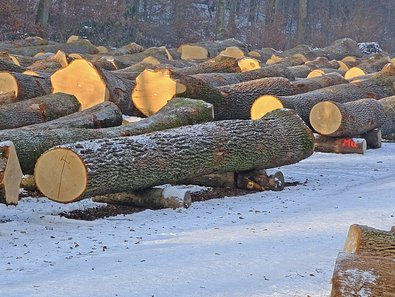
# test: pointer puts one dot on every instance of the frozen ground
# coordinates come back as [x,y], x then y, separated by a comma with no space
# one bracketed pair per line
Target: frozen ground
[266,244]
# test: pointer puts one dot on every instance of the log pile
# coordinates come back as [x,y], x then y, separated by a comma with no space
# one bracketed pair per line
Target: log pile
[366,267]
[220,81]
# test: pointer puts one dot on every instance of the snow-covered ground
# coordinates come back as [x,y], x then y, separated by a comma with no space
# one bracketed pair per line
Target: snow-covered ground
[266,244]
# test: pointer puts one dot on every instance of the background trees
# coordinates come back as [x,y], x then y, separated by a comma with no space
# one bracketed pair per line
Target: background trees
[266,23]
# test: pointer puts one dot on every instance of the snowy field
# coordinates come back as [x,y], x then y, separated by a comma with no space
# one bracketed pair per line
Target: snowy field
[266,244]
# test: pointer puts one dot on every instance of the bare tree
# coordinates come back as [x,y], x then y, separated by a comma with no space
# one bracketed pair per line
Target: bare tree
[43,12]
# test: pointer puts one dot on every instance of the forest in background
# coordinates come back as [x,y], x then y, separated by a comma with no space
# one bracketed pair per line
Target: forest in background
[279,24]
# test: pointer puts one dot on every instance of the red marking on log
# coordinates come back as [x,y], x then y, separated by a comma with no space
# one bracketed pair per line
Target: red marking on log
[348,142]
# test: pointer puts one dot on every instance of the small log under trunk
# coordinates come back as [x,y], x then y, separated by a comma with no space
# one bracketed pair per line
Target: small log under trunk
[326,144]
[347,119]
[103,115]
[37,110]
[311,84]
[172,155]
[10,174]
[6,65]
[153,198]
[373,138]
[31,143]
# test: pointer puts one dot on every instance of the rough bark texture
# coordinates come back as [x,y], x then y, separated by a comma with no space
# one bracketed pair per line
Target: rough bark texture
[154,198]
[311,84]
[357,117]
[222,79]
[29,41]
[358,275]
[169,156]
[290,61]
[103,115]
[374,63]
[376,88]
[30,144]
[80,46]
[215,47]
[339,49]
[10,174]
[373,138]
[367,241]
[30,86]
[301,71]
[37,110]
[339,145]
[128,60]
[6,65]
[389,108]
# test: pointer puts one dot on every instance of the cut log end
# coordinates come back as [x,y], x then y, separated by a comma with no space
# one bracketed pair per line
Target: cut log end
[82,80]
[248,64]
[342,66]
[154,89]
[11,174]
[325,117]
[354,72]
[193,52]
[233,51]
[8,83]
[61,175]
[263,105]
[316,73]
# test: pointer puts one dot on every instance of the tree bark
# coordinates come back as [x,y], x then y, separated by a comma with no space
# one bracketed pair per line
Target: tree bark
[153,198]
[389,108]
[302,21]
[213,48]
[347,119]
[6,65]
[373,138]
[10,174]
[43,12]
[326,144]
[220,20]
[37,110]
[172,155]
[359,275]
[103,115]
[24,86]
[311,84]
[339,49]
[31,143]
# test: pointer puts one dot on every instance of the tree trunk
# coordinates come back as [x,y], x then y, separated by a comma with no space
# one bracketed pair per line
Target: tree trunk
[359,275]
[169,156]
[37,110]
[10,174]
[30,144]
[6,65]
[311,84]
[155,88]
[389,108]
[103,115]
[339,49]
[222,79]
[24,86]
[92,85]
[153,198]
[302,21]
[326,144]
[367,241]
[220,20]
[300,71]
[347,119]
[252,12]
[43,12]
[377,87]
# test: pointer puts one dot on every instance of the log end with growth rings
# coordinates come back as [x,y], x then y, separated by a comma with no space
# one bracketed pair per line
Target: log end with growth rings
[354,72]
[61,175]
[263,105]
[8,84]
[325,117]
[248,64]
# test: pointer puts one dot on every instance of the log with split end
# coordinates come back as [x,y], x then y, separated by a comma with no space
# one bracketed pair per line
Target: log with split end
[10,174]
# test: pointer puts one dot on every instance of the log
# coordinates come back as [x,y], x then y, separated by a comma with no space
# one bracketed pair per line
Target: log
[154,88]
[103,115]
[10,174]
[300,71]
[6,65]
[373,138]
[339,49]
[323,62]
[127,49]
[81,46]
[222,79]
[23,86]
[92,85]
[294,60]
[31,143]
[153,198]
[326,144]
[347,119]
[127,60]
[377,87]
[29,41]
[257,180]
[311,84]
[389,109]
[262,54]
[359,275]
[367,241]
[37,110]
[50,64]
[169,156]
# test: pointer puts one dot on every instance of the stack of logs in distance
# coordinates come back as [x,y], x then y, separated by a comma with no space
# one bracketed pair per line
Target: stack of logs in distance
[91,121]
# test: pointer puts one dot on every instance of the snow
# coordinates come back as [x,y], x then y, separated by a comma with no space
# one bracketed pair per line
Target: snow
[263,244]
